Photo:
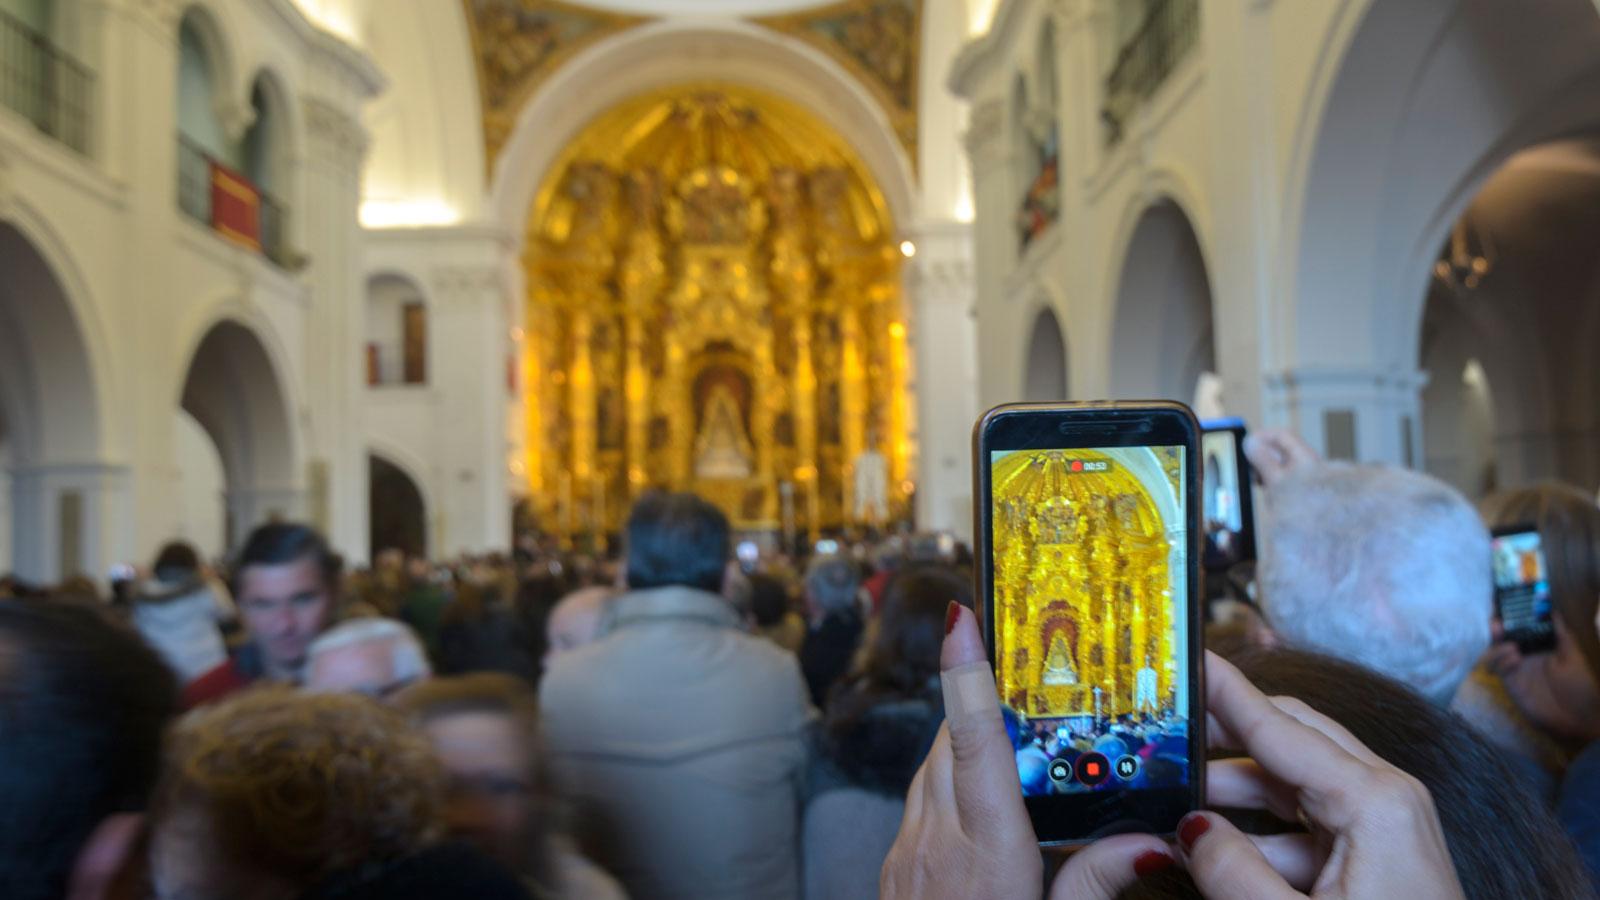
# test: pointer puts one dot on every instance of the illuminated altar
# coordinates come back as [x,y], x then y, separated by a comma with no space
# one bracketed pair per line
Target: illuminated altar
[1063,631]
[714,304]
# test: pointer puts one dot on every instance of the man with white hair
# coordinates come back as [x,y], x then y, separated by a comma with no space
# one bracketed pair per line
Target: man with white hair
[1384,567]
[376,657]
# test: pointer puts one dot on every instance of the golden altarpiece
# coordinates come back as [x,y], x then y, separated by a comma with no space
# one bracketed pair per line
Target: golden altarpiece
[714,304]
[1082,585]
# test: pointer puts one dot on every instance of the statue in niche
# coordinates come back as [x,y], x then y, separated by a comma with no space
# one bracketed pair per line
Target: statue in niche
[871,471]
[722,449]
[1058,669]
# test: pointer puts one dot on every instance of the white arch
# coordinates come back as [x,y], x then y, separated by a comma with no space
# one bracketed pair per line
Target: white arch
[1045,370]
[61,417]
[1414,104]
[679,51]
[1161,308]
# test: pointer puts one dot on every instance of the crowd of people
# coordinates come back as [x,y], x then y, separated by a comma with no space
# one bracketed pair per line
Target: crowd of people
[681,722]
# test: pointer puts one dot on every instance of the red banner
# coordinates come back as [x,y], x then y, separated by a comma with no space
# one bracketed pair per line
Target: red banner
[235,207]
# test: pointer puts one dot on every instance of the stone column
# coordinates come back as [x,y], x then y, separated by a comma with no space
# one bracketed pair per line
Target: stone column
[942,291]
[1359,413]
[475,503]
[335,327]
[993,252]
[67,521]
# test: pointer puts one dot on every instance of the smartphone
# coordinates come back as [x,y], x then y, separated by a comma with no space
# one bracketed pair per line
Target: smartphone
[1089,566]
[749,554]
[1228,510]
[1522,588]
[827,547]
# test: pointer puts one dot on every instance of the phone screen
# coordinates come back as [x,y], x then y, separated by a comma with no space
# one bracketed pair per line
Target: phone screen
[1226,513]
[1522,589]
[1092,586]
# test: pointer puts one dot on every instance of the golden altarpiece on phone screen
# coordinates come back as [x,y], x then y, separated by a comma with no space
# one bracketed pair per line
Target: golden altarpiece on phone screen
[1085,573]
[715,304]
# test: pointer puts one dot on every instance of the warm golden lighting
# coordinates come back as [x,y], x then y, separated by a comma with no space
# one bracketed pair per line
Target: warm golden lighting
[714,301]
[517,334]
[908,249]
[1082,564]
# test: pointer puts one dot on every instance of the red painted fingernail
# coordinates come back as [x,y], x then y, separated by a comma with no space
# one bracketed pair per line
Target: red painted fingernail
[950,616]
[1191,828]
[1151,862]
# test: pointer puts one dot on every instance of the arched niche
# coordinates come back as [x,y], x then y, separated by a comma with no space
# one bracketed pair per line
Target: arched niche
[397,331]
[236,393]
[1162,333]
[1045,375]
[50,411]
[399,514]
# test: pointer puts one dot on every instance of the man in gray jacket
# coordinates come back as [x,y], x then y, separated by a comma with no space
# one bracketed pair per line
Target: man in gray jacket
[678,736]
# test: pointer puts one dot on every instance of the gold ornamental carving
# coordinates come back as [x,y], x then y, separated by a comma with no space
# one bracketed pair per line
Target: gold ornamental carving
[1082,589]
[715,305]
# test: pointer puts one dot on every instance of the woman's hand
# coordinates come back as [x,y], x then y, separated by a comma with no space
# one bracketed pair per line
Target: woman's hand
[1554,690]
[966,832]
[1373,830]
[1275,453]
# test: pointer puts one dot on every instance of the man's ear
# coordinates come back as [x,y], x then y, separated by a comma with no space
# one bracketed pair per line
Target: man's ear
[111,851]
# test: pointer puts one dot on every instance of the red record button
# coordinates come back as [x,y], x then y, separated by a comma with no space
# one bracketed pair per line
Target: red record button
[1093,769]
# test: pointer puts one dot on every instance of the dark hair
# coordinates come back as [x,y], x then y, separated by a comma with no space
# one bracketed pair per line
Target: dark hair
[769,599]
[279,543]
[676,539]
[902,658]
[83,703]
[1503,842]
[176,558]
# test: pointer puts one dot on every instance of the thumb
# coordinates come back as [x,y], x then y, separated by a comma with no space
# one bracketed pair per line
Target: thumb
[984,772]
[1106,868]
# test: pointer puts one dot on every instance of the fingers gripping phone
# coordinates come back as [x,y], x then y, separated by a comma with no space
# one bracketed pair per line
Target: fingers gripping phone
[1089,564]
[1522,588]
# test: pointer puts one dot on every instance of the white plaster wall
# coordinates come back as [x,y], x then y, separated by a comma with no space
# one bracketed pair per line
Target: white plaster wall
[201,486]
[1320,150]
[145,284]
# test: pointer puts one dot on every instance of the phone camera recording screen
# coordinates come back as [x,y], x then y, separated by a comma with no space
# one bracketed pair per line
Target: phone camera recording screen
[1522,587]
[1091,617]
[1224,509]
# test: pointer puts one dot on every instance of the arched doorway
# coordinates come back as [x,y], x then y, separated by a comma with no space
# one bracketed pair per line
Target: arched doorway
[1421,102]
[1045,378]
[1513,295]
[1162,337]
[49,420]
[399,517]
[715,305]
[233,390]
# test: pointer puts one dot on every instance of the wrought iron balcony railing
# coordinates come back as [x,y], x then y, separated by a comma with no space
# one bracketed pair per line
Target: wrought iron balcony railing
[222,199]
[1168,33]
[44,84]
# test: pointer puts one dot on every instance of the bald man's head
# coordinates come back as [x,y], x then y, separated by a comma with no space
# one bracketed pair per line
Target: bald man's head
[575,620]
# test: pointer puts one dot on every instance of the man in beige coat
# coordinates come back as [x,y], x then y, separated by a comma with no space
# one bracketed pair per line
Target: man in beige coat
[678,736]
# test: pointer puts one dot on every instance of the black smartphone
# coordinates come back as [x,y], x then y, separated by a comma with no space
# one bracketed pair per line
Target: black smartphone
[1089,565]
[1228,509]
[1522,588]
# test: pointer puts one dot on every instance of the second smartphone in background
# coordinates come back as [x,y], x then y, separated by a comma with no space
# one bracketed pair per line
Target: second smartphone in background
[1228,507]
[1522,588]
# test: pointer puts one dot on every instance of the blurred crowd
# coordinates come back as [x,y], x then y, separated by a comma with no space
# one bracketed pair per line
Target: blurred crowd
[685,720]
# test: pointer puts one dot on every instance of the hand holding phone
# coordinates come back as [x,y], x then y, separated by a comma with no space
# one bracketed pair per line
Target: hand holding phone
[1089,560]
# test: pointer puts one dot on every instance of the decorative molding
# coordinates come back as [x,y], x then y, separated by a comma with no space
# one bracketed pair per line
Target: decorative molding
[985,125]
[464,285]
[517,45]
[877,41]
[164,14]
[336,130]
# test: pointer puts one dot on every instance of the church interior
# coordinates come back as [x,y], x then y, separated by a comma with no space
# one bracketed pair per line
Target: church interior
[438,275]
